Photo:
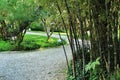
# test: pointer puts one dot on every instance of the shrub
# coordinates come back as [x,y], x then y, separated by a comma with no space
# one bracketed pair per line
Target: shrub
[35,26]
[29,45]
[57,30]
[5,46]
[53,42]
[60,42]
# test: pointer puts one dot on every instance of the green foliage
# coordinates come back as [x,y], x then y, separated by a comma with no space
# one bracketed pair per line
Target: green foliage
[70,72]
[118,75]
[16,9]
[29,45]
[31,42]
[36,26]
[57,30]
[15,18]
[5,46]
[42,41]
[92,65]
[113,75]
[70,78]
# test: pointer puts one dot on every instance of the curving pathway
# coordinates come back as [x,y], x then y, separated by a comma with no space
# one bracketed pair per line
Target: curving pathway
[47,64]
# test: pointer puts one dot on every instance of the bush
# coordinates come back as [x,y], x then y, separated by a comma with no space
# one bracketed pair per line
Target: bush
[5,46]
[61,42]
[35,26]
[29,45]
[53,42]
[57,30]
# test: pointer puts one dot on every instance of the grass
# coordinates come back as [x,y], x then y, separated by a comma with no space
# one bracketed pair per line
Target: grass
[42,41]
[31,42]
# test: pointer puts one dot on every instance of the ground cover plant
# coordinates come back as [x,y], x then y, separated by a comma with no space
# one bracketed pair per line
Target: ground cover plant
[5,45]
[31,42]
[43,41]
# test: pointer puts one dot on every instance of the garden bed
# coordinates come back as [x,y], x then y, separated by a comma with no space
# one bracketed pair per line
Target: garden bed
[31,42]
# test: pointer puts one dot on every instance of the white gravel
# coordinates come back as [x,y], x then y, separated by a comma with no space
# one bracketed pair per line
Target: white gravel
[48,64]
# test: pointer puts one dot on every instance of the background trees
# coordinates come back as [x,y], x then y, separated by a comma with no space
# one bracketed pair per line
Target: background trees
[15,17]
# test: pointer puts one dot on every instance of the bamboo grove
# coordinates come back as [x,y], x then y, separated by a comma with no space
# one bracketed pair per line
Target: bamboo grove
[93,31]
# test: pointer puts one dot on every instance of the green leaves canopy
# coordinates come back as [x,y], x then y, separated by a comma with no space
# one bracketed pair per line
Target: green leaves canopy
[16,9]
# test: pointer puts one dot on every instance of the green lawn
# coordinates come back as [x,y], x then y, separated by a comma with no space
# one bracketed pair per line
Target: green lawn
[31,42]
[42,40]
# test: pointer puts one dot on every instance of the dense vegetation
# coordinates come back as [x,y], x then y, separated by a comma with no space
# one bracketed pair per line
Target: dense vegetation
[98,59]
[43,42]
[31,42]
[96,20]
[17,16]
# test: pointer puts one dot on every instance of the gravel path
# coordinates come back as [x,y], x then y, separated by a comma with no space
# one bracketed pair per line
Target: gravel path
[48,64]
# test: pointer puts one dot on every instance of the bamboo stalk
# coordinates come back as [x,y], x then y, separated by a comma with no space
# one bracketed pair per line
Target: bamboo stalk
[108,39]
[70,38]
[64,52]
